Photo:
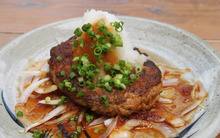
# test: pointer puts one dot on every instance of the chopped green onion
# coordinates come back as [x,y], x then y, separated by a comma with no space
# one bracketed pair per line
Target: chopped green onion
[138,69]
[102,36]
[112,40]
[97,36]
[107,66]
[68,84]
[132,76]
[64,99]
[78,129]
[86,55]
[96,131]
[72,89]
[106,103]
[116,81]
[106,84]
[78,32]
[123,86]
[107,78]
[92,85]
[82,83]
[75,133]
[105,49]
[117,25]
[80,94]
[72,75]
[19,113]
[117,67]
[73,67]
[117,86]
[74,118]
[126,72]
[91,46]
[92,67]
[112,73]
[59,58]
[137,76]
[109,88]
[122,63]
[38,134]
[129,65]
[80,79]
[62,73]
[88,117]
[109,34]
[47,99]
[82,72]
[82,43]
[60,85]
[99,62]
[117,40]
[76,59]
[104,41]
[75,43]
[119,76]
[98,51]
[125,80]
[103,98]
[97,70]
[86,27]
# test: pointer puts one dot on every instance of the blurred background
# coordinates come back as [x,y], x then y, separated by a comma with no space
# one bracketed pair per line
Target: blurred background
[200,17]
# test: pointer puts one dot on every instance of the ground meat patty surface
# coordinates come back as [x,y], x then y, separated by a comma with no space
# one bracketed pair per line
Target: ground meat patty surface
[138,97]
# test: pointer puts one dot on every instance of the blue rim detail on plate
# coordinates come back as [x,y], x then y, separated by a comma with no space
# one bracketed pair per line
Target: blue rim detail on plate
[10,112]
[184,131]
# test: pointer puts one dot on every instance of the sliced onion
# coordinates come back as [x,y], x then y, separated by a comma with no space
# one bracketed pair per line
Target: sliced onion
[122,134]
[46,90]
[130,124]
[30,89]
[202,93]
[142,135]
[36,66]
[191,107]
[45,67]
[167,130]
[165,100]
[108,122]
[81,116]
[64,117]
[173,70]
[50,115]
[98,121]
[170,82]
[170,118]
[200,96]
[51,102]
[26,78]
[110,128]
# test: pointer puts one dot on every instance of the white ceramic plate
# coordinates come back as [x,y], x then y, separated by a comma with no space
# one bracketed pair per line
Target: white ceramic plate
[180,48]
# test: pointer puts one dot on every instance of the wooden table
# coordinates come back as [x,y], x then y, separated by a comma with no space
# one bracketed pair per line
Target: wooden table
[200,17]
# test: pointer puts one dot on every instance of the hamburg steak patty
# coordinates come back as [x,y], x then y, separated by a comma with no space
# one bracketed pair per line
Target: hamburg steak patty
[140,96]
